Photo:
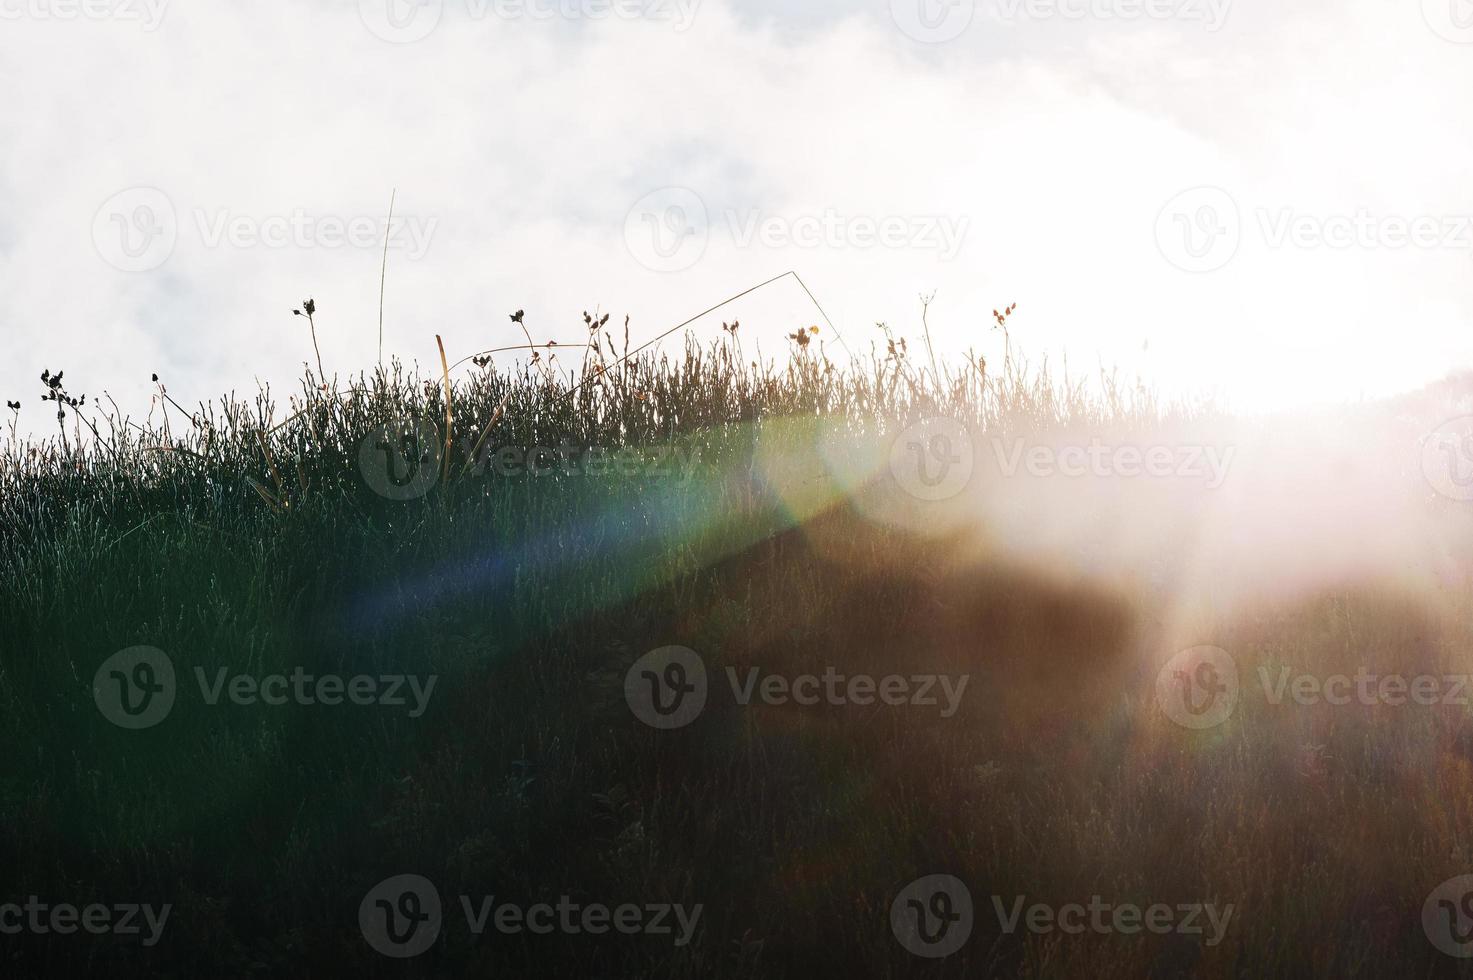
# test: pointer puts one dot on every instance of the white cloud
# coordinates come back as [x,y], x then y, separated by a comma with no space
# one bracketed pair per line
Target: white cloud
[526,142]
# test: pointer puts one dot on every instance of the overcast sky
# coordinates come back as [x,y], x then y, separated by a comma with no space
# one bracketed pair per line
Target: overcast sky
[1261,199]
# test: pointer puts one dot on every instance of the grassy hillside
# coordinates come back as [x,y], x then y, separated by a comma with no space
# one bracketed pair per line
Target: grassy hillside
[752,515]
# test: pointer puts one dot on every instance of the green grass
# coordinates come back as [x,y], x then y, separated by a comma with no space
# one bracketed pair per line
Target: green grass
[243,535]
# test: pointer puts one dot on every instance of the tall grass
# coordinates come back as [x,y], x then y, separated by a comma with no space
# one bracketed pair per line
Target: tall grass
[241,533]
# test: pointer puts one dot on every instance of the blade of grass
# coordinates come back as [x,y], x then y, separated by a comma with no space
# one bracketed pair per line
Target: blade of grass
[449,412]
